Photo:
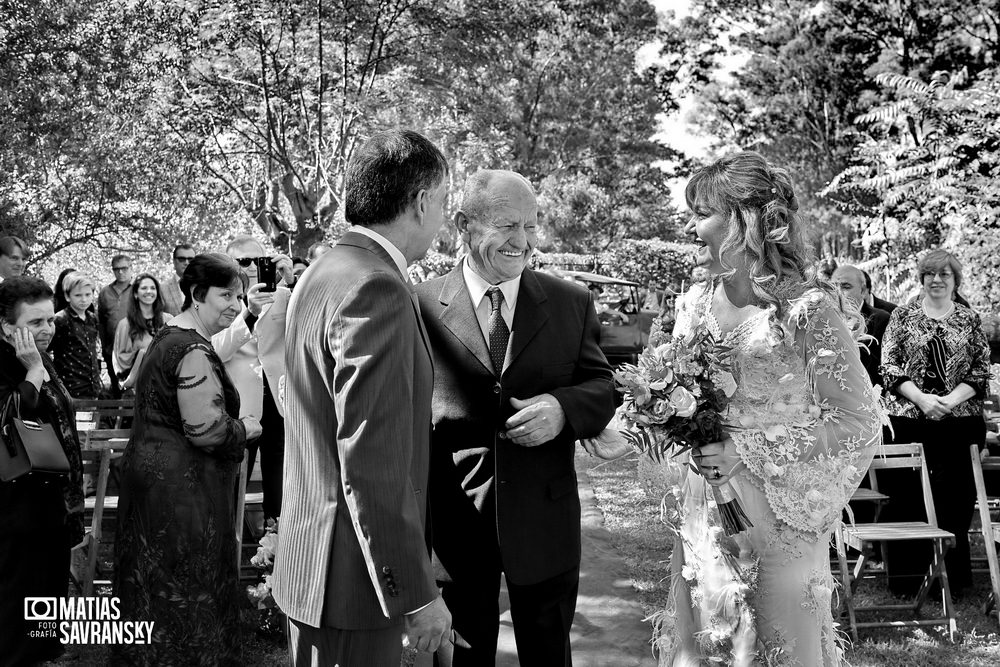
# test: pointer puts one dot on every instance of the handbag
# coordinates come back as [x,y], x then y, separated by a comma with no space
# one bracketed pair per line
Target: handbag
[28,446]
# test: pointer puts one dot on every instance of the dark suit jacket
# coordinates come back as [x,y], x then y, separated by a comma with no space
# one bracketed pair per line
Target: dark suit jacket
[484,487]
[882,304]
[871,352]
[353,552]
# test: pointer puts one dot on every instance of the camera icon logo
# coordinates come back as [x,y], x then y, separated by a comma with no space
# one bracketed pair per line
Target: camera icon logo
[41,609]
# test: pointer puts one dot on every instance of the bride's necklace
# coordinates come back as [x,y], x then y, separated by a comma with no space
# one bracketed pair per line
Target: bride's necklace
[939,315]
[728,316]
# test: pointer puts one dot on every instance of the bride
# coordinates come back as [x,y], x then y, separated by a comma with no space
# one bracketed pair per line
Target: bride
[803,426]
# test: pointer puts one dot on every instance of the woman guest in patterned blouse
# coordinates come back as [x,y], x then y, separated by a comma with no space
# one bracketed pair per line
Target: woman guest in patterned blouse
[935,363]
[175,547]
[76,348]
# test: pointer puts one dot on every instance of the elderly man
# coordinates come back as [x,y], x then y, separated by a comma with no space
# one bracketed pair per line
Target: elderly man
[355,572]
[173,298]
[253,351]
[851,281]
[519,377]
[13,252]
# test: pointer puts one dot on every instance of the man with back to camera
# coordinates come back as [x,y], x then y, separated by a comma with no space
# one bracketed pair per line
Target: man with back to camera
[355,573]
[519,377]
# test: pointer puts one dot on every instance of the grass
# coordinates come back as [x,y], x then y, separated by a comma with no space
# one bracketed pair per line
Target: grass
[632,517]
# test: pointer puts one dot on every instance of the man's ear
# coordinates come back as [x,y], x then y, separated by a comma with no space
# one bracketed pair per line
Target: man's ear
[462,223]
[421,205]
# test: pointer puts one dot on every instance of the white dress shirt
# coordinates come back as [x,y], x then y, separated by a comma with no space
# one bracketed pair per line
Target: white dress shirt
[477,287]
[387,245]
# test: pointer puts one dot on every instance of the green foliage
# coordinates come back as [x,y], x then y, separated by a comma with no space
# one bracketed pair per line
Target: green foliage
[666,263]
[927,175]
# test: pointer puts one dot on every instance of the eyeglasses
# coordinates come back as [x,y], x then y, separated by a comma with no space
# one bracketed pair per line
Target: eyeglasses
[116,269]
[944,275]
[245,261]
[183,259]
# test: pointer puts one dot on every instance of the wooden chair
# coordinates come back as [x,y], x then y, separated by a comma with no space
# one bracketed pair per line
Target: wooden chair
[861,537]
[90,412]
[991,529]
[98,447]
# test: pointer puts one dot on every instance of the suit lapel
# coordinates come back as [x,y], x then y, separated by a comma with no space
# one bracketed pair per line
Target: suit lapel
[529,315]
[459,317]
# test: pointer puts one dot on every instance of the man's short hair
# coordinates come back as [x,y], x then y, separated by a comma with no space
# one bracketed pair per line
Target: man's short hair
[120,258]
[181,246]
[10,243]
[241,240]
[868,279]
[387,172]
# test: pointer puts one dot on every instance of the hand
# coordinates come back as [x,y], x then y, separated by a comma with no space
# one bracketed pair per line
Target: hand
[609,444]
[717,462]
[252,426]
[539,419]
[429,628]
[283,267]
[256,300]
[26,350]
[933,407]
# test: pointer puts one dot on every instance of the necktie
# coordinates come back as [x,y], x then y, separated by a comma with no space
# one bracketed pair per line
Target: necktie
[499,333]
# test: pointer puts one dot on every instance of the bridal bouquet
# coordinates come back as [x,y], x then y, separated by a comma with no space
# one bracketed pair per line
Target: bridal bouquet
[674,401]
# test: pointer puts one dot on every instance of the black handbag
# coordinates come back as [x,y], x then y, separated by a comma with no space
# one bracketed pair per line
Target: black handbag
[27,446]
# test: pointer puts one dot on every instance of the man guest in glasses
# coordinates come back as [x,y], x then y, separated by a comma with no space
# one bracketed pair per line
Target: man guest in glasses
[253,351]
[173,298]
[112,303]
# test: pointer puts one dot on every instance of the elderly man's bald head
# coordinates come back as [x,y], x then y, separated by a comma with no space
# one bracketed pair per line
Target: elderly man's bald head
[851,281]
[498,220]
[488,189]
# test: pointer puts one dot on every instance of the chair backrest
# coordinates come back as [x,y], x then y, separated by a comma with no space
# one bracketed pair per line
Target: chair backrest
[90,412]
[100,439]
[906,455]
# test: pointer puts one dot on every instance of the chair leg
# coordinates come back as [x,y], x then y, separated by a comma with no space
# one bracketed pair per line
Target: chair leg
[949,609]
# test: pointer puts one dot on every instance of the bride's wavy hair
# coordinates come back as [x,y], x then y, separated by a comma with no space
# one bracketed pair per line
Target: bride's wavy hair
[761,209]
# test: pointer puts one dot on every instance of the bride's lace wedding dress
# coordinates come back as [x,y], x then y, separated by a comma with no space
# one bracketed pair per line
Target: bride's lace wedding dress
[805,421]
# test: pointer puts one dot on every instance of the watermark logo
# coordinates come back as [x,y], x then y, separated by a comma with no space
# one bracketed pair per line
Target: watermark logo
[84,620]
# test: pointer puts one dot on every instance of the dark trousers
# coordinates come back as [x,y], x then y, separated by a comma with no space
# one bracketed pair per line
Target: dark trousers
[34,562]
[116,387]
[946,448]
[271,444]
[542,615]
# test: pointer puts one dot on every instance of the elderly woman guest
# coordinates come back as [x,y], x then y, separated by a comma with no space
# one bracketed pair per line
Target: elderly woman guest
[76,345]
[41,515]
[143,318]
[935,363]
[175,550]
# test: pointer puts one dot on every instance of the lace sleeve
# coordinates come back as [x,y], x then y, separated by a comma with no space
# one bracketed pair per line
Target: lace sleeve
[818,463]
[202,408]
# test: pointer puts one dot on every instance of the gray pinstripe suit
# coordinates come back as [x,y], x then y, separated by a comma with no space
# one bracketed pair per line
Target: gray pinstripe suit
[353,554]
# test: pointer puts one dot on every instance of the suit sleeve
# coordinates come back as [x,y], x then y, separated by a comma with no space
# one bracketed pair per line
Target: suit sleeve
[371,338]
[589,403]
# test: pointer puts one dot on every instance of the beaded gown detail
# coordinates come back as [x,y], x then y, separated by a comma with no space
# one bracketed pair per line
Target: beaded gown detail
[805,421]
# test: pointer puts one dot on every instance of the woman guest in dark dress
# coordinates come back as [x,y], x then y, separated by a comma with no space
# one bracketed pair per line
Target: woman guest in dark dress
[936,366]
[76,345]
[41,515]
[175,547]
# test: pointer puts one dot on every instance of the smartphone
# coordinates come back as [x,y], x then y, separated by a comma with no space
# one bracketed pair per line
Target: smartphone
[266,273]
